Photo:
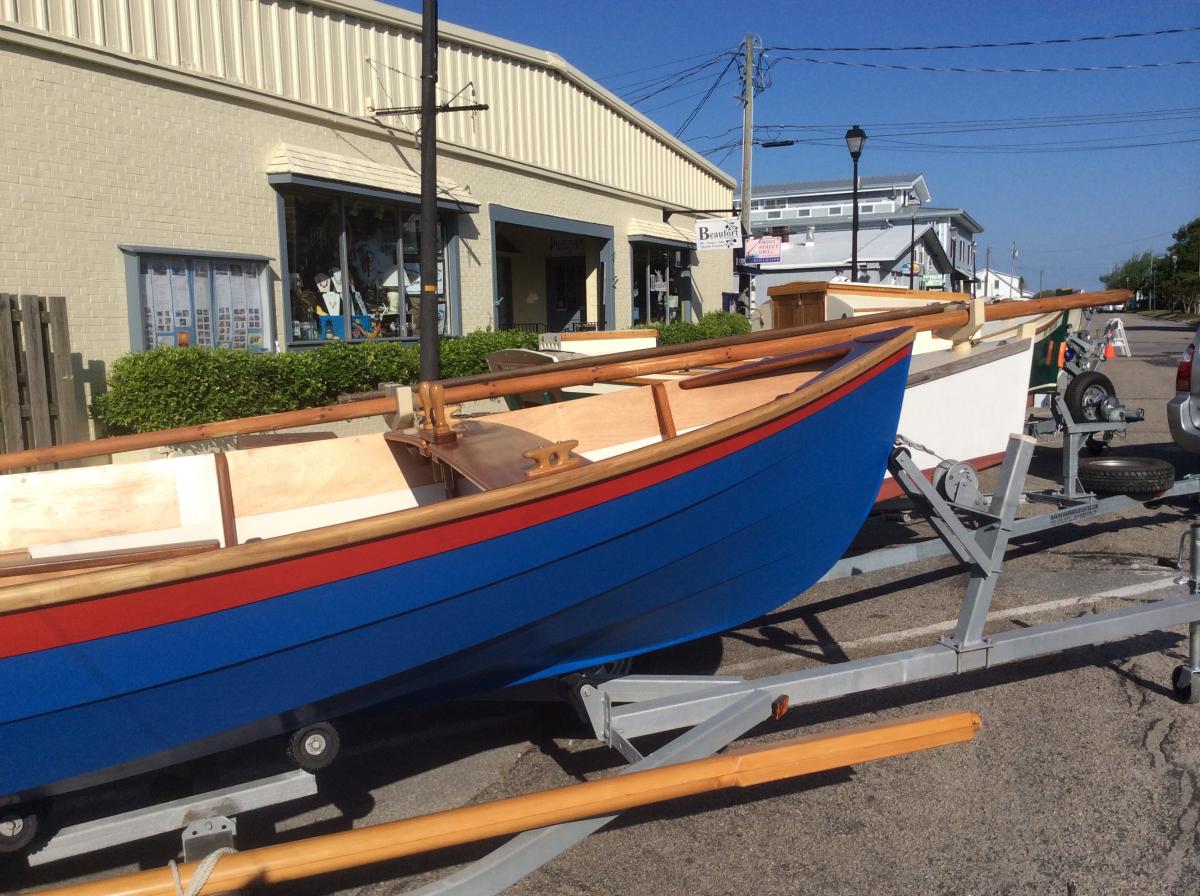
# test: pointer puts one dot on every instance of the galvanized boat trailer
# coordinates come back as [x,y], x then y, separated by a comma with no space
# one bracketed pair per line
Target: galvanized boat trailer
[717,710]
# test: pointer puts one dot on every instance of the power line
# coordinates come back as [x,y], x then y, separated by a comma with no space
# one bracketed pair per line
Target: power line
[987,149]
[1140,239]
[700,105]
[1050,148]
[669,78]
[683,99]
[670,62]
[988,69]
[890,139]
[674,80]
[989,46]
[973,125]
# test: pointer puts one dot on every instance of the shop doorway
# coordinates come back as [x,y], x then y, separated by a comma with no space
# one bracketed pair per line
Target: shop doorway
[566,293]
[661,283]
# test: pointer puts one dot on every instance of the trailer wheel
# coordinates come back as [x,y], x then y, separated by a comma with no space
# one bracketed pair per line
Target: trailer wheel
[314,747]
[1085,394]
[1137,477]
[18,827]
[1181,683]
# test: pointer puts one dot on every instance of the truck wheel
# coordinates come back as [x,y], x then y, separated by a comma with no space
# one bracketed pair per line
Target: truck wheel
[1138,477]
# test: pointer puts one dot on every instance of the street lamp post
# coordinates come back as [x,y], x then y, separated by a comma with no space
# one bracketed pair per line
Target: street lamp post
[855,138]
[912,236]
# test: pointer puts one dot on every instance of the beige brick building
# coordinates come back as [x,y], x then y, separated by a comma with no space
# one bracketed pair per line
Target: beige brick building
[213,172]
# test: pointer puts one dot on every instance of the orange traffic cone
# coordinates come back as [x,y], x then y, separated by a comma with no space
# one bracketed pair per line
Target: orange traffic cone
[1109,351]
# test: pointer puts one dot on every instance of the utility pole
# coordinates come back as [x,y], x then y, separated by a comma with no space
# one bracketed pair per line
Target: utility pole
[747,147]
[1041,275]
[987,269]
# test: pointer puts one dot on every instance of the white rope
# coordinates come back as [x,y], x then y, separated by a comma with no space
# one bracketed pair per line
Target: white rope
[203,872]
[904,442]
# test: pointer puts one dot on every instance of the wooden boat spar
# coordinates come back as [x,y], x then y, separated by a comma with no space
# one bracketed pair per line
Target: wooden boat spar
[251,592]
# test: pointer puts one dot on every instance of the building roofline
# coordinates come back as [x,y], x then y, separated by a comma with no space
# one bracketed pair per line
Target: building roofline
[448,31]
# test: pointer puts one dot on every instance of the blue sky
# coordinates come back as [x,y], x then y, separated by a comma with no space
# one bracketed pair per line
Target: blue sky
[1073,211]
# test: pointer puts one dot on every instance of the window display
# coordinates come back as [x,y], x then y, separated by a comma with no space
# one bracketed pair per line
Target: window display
[314,228]
[201,301]
[380,297]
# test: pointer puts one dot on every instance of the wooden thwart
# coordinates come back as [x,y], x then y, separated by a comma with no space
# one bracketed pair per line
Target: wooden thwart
[736,768]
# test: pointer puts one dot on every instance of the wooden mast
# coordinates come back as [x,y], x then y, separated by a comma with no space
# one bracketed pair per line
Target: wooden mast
[431,350]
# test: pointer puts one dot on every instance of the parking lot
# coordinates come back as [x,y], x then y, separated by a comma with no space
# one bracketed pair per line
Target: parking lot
[1082,781]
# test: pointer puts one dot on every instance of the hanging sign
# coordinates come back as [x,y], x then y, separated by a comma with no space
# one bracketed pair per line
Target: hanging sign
[764,249]
[719,233]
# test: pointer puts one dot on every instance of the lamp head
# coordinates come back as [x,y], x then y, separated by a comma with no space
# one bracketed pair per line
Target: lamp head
[855,138]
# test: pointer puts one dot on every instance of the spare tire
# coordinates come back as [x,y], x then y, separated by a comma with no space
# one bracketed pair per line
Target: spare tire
[1085,394]
[1138,477]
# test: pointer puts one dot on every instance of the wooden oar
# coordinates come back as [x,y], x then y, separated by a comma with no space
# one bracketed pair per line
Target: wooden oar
[584,371]
[587,371]
[384,842]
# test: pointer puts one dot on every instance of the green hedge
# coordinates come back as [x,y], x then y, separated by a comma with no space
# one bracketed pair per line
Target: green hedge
[168,387]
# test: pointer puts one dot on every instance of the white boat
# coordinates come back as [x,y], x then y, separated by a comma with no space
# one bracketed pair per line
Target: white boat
[815,301]
[962,404]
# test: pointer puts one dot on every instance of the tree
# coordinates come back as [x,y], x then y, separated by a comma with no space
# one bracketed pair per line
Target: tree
[1174,277]
[1133,275]
[1181,268]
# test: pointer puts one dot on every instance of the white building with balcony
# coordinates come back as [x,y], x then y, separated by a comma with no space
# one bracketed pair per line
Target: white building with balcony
[897,227]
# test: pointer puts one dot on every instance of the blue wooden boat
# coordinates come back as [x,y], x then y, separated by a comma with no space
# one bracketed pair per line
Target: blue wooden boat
[418,566]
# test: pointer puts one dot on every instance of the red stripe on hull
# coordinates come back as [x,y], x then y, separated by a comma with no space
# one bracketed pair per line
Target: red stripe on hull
[63,624]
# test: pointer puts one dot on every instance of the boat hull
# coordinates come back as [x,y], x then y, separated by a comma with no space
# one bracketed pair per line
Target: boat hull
[664,554]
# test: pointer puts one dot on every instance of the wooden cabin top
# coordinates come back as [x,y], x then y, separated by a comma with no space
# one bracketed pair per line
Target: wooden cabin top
[863,290]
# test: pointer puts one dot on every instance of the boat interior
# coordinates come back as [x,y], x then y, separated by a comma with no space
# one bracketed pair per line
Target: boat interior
[57,522]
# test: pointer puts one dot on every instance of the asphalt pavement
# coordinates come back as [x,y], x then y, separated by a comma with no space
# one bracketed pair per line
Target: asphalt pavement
[1083,779]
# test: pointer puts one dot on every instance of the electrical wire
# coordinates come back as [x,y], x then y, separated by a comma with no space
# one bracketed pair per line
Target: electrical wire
[658,85]
[979,125]
[648,68]
[700,105]
[959,69]
[1186,29]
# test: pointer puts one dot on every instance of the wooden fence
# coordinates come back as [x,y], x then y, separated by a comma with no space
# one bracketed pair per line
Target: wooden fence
[39,406]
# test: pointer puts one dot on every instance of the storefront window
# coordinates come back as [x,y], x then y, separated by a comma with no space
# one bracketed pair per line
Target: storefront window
[213,302]
[373,234]
[381,246]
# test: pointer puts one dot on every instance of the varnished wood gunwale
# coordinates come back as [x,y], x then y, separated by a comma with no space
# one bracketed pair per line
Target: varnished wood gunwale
[17,598]
[744,767]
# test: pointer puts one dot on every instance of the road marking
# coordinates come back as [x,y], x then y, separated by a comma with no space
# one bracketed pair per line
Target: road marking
[1016,612]
[949,625]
